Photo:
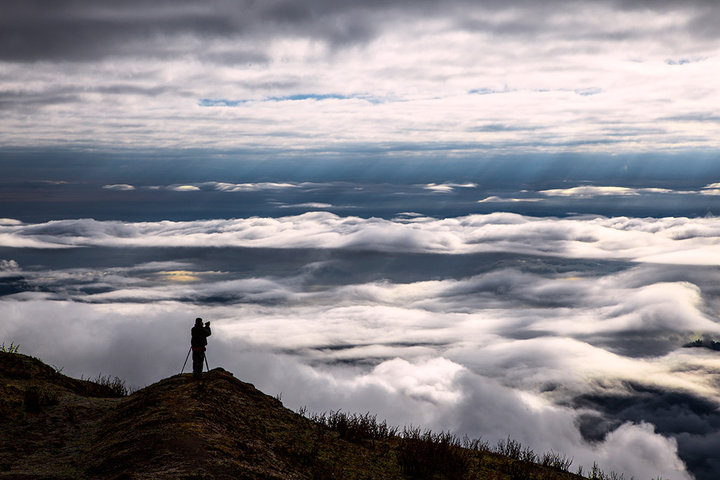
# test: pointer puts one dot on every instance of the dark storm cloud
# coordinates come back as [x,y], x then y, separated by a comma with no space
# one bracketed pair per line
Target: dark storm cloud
[85,30]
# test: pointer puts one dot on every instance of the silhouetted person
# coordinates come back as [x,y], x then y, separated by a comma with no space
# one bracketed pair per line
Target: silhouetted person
[197,342]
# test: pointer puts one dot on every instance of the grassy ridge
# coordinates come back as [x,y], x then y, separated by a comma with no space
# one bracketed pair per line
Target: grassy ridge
[56,427]
[423,454]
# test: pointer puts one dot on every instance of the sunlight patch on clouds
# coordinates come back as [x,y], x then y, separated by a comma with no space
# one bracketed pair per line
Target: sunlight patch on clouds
[181,275]
[184,188]
[10,221]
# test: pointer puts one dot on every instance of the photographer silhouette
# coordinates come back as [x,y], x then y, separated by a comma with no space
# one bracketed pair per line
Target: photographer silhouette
[198,341]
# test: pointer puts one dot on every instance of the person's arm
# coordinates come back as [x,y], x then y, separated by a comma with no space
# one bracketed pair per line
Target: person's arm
[207,329]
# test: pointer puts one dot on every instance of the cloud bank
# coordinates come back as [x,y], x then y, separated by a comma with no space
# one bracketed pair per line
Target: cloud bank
[662,240]
[445,354]
[559,332]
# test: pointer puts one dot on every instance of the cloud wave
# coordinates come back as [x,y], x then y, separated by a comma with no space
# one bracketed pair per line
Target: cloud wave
[664,240]
[583,355]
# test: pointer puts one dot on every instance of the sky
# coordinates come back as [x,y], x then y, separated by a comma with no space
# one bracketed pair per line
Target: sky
[494,218]
[331,76]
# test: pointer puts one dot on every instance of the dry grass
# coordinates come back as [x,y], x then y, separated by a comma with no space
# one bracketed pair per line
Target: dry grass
[52,426]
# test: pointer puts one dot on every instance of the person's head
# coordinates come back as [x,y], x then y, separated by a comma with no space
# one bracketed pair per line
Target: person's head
[198,322]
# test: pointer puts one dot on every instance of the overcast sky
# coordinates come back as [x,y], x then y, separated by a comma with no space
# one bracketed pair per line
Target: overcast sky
[326,76]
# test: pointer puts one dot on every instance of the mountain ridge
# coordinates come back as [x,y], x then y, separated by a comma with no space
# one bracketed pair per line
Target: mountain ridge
[53,427]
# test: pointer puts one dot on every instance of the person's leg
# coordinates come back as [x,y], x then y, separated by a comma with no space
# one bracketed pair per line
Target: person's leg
[198,358]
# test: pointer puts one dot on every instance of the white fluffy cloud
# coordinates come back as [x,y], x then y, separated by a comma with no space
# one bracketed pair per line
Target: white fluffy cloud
[509,348]
[664,240]
[420,386]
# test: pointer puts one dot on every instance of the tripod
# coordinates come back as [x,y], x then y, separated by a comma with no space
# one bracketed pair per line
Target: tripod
[188,356]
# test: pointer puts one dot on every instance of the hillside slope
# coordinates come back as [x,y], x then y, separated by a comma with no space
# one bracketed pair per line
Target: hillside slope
[56,427]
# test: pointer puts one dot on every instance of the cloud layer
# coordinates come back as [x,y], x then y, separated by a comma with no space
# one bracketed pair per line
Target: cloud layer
[558,332]
[451,76]
[664,240]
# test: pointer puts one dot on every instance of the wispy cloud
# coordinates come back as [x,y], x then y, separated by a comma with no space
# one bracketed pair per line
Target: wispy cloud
[602,191]
[213,186]
[447,187]
[317,205]
[496,199]
[119,187]
[247,187]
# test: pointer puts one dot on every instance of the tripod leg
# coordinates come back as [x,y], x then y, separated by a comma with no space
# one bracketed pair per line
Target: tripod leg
[206,363]
[186,359]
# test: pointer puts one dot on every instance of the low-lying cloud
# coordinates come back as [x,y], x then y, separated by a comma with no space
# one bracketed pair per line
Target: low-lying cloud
[662,240]
[490,335]
[444,354]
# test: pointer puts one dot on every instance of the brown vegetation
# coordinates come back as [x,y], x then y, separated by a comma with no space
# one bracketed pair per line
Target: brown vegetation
[56,427]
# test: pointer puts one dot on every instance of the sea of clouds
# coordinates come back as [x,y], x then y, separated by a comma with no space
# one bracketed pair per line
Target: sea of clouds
[566,334]
[648,240]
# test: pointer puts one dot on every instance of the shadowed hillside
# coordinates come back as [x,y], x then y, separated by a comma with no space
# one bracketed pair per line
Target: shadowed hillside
[56,427]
